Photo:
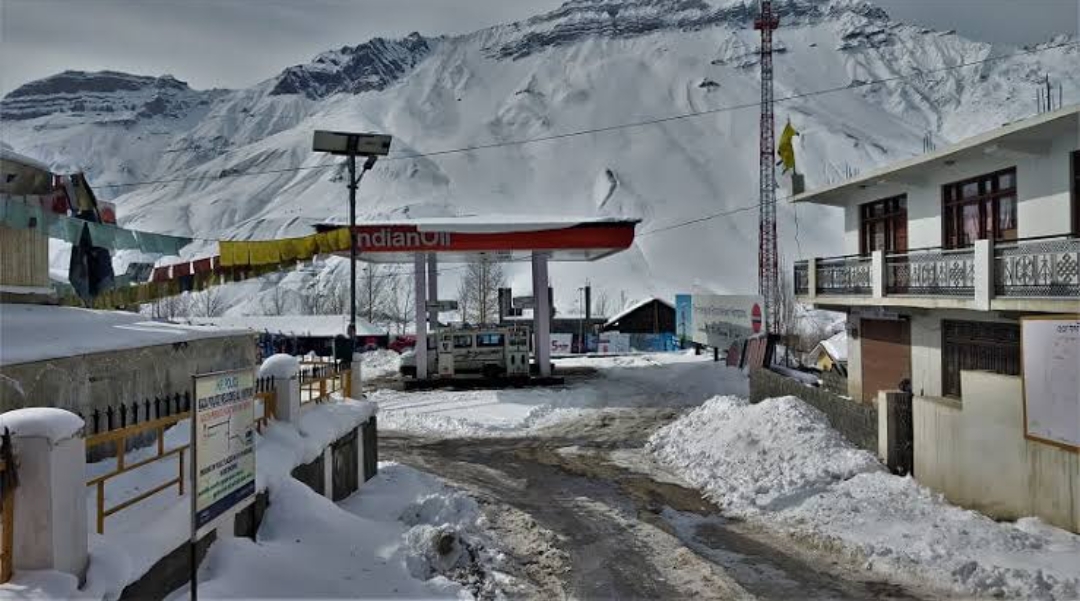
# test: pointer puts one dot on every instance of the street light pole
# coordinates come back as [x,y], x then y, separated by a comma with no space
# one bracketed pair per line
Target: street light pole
[353,184]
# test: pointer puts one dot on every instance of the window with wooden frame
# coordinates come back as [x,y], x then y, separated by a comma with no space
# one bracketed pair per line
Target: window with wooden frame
[977,345]
[883,225]
[980,208]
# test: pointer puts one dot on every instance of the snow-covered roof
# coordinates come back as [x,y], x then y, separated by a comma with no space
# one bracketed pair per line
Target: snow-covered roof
[1025,132]
[314,326]
[39,332]
[634,307]
[836,347]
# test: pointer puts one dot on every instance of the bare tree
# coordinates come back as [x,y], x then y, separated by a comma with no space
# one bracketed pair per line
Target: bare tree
[208,303]
[399,306]
[332,297]
[375,282]
[478,293]
[785,319]
[275,301]
[601,304]
[171,307]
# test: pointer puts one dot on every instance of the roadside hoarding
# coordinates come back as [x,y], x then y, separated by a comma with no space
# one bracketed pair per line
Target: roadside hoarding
[613,342]
[223,447]
[1050,354]
[721,320]
[683,320]
[561,343]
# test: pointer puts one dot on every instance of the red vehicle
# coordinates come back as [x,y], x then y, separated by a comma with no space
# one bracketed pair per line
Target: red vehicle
[402,343]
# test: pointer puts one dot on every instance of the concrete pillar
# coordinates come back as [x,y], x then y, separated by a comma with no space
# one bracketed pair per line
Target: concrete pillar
[542,312]
[811,278]
[877,273]
[355,381]
[433,289]
[50,500]
[287,399]
[420,279]
[328,471]
[984,274]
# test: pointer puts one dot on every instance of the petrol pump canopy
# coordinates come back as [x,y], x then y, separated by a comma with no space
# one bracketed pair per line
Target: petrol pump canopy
[497,238]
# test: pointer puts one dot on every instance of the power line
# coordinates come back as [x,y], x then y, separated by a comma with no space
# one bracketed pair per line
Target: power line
[622,126]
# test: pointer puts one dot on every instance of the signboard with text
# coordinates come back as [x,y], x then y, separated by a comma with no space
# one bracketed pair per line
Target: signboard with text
[1050,354]
[720,320]
[561,344]
[223,446]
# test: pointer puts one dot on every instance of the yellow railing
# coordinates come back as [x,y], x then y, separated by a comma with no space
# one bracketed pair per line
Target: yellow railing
[266,396]
[119,438]
[320,379]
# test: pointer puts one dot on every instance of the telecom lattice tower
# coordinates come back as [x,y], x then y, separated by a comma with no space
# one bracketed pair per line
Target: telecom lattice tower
[767,251]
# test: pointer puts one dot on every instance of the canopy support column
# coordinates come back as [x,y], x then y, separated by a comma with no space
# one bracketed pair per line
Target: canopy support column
[541,312]
[421,349]
[433,290]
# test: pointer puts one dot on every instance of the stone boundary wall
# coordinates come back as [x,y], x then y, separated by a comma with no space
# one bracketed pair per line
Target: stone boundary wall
[858,422]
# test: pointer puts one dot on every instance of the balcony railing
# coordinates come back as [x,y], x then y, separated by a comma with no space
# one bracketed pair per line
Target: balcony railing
[931,272]
[1038,268]
[1033,268]
[802,277]
[844,275]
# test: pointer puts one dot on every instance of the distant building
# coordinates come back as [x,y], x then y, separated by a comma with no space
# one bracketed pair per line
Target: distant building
[830,354]
[648,316]
[300,334]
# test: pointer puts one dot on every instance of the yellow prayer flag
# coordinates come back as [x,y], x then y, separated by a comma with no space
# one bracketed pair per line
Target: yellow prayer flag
[305,247]
[786,151]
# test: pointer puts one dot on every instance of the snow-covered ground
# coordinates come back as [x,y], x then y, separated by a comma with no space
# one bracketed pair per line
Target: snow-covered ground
[382,363]
[779,463]
[404,534]
[137,537]
[647,380]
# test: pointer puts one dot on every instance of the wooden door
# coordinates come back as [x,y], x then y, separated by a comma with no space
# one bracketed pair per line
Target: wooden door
[886,355]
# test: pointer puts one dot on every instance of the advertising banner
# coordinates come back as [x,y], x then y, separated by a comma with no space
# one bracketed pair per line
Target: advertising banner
[223,446]
[613,342]
[721,320]
[1050,354]
[684,319]
[561,343]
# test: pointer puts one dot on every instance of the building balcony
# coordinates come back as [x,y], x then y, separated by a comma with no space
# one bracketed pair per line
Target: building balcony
[1037,274]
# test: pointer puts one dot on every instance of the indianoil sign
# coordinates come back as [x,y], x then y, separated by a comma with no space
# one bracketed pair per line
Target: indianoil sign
[223,446]
[400,238]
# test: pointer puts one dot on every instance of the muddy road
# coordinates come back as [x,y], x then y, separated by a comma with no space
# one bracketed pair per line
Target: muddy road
[587,515]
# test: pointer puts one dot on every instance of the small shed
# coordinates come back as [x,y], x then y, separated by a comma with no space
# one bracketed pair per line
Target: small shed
[830,354]
[647,316]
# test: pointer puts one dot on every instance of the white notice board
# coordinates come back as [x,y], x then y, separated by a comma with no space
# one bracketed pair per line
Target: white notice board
[223,445]
[1050,353]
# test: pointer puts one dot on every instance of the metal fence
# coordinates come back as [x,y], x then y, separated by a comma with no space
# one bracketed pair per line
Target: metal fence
[931,272]
[1040,268]
[844,275]
[320,379]
[802,277]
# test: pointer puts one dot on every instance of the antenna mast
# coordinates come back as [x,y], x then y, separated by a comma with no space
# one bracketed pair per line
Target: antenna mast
[767,251]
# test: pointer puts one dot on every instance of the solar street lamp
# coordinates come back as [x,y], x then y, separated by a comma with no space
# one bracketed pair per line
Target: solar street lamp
[352,145]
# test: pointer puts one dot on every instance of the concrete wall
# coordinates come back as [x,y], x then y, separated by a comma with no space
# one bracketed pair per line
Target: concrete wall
[854,363]
[858,422]
[1043,186]
[975,453]
[98,380]
[926,346]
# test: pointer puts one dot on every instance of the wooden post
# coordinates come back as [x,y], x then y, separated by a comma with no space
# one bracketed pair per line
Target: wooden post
[8,543]
[182,472]
[101,507]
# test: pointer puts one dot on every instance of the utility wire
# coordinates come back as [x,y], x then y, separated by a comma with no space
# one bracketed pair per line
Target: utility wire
[622,126]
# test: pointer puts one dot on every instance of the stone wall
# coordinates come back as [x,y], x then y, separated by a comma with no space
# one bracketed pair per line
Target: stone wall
[858,422]
[96,381]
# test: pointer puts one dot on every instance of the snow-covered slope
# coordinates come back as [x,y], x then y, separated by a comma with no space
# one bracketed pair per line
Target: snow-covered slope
[587,64]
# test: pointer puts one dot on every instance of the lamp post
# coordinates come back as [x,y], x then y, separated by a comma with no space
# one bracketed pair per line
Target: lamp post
[352,145]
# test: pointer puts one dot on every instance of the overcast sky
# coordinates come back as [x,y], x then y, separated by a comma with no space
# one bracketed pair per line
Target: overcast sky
[236,43]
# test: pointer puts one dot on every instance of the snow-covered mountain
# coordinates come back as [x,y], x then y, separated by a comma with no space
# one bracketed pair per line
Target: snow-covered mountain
[585,65]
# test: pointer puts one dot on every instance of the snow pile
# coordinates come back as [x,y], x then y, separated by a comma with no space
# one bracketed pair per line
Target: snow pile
[759,457]
[779,463]
[281,366]
[381,363]
[137,537]
[41,422]
[308,547]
